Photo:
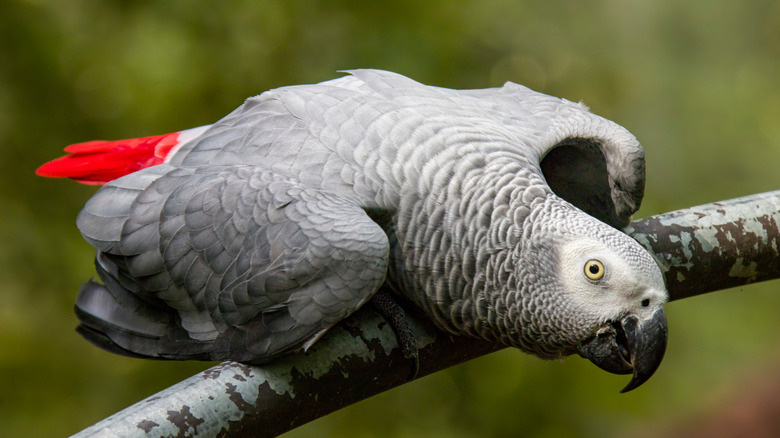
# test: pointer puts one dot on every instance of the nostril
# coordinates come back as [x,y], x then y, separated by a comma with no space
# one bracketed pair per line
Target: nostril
[645,302]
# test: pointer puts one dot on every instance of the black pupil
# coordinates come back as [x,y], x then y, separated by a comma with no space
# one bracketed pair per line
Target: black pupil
[594,269]
[645,302]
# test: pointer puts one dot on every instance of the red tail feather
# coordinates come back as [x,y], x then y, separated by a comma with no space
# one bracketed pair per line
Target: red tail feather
[98,162]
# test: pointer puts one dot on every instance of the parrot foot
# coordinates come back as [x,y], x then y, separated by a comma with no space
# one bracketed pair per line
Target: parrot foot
[395,315]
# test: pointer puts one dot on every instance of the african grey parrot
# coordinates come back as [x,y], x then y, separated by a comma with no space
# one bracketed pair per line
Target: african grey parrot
[495,211]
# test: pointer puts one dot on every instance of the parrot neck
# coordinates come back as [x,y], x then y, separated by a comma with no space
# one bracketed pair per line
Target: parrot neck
[460,246]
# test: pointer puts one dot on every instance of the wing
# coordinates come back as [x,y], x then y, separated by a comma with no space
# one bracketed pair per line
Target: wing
[251,264]
[592,162]
[606,180]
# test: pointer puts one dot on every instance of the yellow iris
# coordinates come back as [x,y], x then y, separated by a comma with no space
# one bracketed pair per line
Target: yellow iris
[594,269]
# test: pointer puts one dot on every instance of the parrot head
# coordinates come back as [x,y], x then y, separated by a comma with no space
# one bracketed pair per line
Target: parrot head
[622,292]
[608,294]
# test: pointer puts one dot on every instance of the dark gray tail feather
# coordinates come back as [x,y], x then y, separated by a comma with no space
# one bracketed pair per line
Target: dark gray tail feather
[122,323]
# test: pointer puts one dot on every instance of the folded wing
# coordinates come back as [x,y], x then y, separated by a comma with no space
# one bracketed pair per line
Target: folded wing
[230,262]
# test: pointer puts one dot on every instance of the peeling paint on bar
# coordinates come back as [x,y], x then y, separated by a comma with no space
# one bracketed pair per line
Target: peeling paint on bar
[283,394]
[714,246]
[700,249]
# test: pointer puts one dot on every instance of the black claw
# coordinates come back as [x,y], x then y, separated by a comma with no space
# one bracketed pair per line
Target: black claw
[415,366]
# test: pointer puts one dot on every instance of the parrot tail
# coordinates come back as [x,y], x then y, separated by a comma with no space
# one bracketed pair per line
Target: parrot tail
[117,321]
[98,162]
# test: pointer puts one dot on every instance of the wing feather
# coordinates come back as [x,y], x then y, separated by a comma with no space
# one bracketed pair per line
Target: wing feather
[241,257]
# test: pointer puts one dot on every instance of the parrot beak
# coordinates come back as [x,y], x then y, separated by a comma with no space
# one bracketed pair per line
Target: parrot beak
[629,346]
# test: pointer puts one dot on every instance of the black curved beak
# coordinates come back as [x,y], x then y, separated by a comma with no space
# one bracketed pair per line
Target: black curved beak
[629,346]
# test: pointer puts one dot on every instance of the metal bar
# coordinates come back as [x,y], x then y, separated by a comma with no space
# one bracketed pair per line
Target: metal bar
[355,360]
[714,246]
[700,249]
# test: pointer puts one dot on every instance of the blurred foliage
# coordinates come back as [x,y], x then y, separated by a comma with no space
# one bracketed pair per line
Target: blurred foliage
[696,82]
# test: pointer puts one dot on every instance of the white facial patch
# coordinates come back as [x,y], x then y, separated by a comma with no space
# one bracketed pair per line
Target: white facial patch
[608,284]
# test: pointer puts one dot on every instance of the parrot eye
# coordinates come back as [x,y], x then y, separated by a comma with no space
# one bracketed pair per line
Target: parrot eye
[594,269]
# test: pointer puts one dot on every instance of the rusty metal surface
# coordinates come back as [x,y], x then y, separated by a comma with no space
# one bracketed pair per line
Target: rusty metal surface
[700,249]
[714,246]
[355,360]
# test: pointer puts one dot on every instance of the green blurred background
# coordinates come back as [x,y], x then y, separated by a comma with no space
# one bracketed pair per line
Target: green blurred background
[696,82]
